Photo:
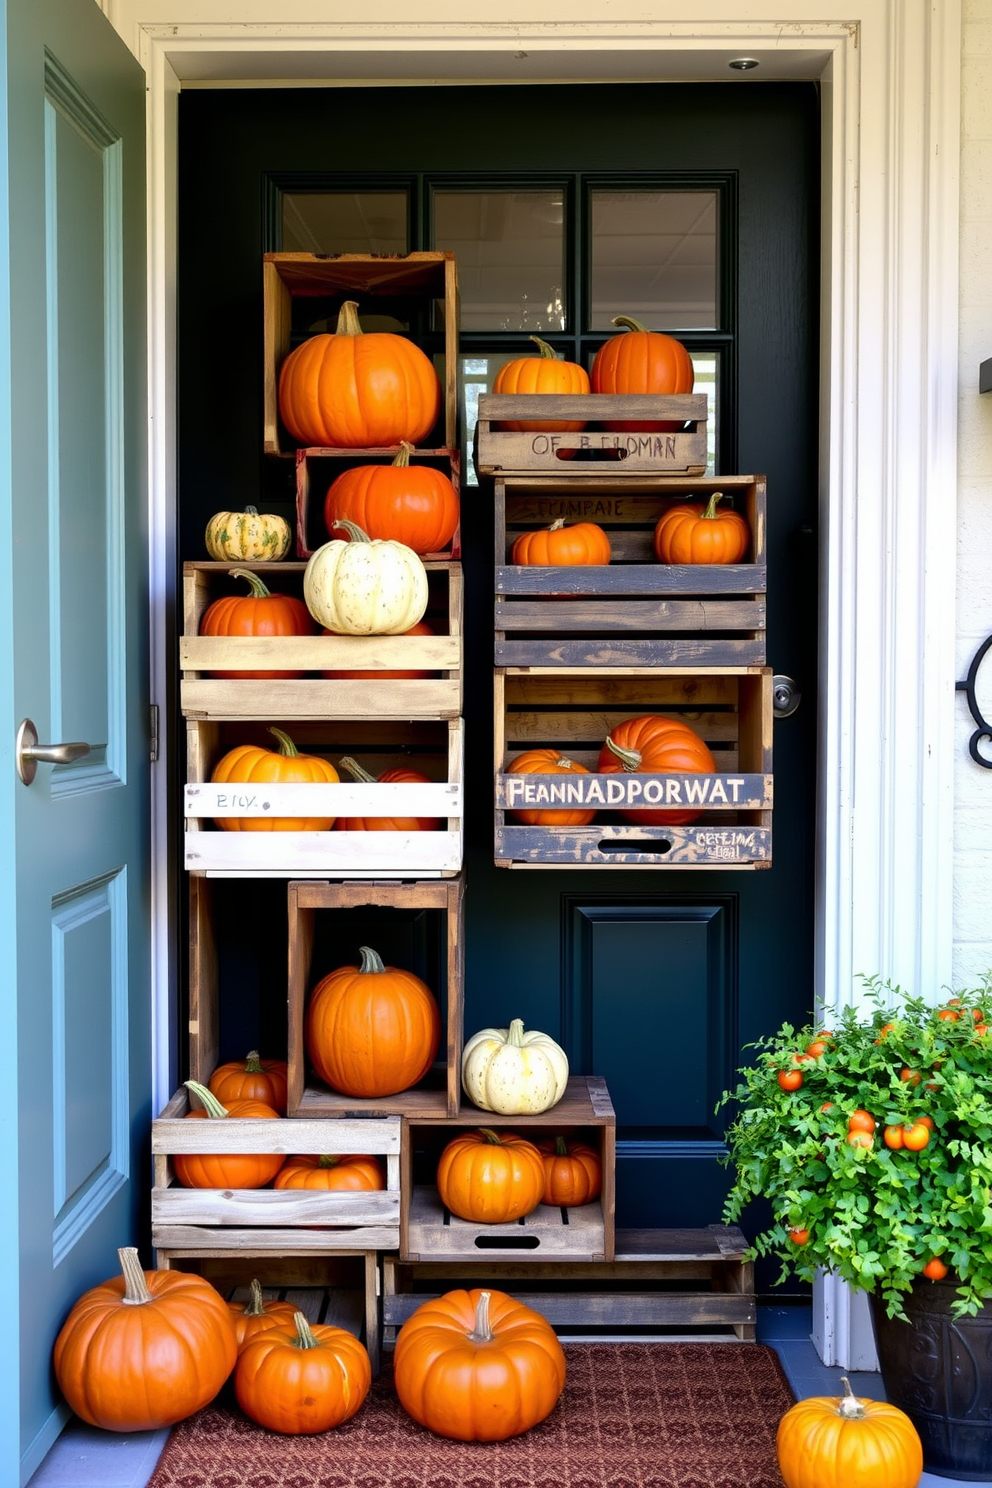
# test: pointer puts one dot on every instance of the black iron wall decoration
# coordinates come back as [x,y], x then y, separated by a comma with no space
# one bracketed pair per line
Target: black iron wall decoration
[984,729]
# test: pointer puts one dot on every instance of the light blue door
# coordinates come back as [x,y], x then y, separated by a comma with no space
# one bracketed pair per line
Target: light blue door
[74,942]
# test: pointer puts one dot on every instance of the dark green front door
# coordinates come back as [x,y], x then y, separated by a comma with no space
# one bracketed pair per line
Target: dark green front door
[654,979]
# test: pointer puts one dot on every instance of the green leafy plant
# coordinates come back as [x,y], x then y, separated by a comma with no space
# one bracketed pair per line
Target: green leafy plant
[877,1159]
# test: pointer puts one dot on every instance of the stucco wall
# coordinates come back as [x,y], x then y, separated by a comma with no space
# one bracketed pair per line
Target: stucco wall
[973,785]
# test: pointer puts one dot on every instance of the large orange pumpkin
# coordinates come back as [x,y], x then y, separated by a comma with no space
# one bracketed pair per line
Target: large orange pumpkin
[226,1169]
[541,374]
[559,546]
[357,391]
[657,745]
[398,775]
[303,1379]
[256,1315]
[251,764]
[420,629]
[251,1078]
[848,1443]
[548,762]
[332,1173]
[490,1177]
[573,1172]
[372,1030]
[641,361]
[412,504]
[478,1366]
[701,534]
[144,1349]
[258,613]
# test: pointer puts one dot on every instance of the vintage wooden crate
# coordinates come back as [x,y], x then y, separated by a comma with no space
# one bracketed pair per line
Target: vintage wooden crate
[433,748]
[438,694]
[317,468]
[269,1219]
[635,610]
[341,1288]
[438,1096]
[300,288]
[645,1290]
[427,1230]
[676,444]
[573,711]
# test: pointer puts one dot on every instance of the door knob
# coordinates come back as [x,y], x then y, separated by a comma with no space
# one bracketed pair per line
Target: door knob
[786,696]
[28,752]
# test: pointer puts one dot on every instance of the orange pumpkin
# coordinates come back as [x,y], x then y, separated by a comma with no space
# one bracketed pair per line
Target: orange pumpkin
[252,1078]
[848,1443]
[559,546]
[398,776]
[357,391]
[332,1173]
[420,629]
[144,1349]
[641,361]
[478,1366]
[372,1030]
[573,1172]
[412,504]
[251,764]
[226,1169]
[541,374]
[696,534]
[258,613]
[657,745]
[302,1379]
[256,1315]
[548,762]
[490,1177]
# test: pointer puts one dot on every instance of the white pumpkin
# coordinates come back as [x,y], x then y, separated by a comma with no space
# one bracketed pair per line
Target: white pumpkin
[512,1072]
[368,586]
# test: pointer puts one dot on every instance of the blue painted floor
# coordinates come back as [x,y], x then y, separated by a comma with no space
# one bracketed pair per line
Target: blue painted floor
[85,1458]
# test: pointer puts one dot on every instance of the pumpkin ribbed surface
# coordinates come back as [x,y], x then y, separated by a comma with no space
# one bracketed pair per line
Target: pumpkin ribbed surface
[641,361]
[413,504]
[543,373]
[332,1174]
[656,744]
[253,764]
[302,1380]
[490,1177]
[826,1442]
[372,1030]
[548,762]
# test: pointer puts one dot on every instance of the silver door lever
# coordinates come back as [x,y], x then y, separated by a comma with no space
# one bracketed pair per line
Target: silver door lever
[29,753]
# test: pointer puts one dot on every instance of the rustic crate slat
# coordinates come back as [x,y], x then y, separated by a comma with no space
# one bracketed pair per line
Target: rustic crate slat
[596,451]
[316,469]
[638,847]
[431,1231]
[261,1241]
[614,653]
[707,792]
[616,1309]
[633,614]
[268,1206]
[347,798]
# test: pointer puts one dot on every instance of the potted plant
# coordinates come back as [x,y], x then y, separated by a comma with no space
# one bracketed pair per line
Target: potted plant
[871,1138]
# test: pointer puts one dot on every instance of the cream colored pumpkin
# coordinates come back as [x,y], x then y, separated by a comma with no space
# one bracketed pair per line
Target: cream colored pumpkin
[368,586]
[247,536]
[512,1072]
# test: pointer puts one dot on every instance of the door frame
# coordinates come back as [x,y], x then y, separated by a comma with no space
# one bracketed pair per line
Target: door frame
[889,74]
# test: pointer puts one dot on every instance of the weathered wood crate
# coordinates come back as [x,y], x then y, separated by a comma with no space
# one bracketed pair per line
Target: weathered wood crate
[436,694]
[301,289]
[342,1288]
[316,469]
[573,711]
[634,611]
[428,1230]
[671,437]
[269,1219]
[438,1096]
[435,749]
[646,1289]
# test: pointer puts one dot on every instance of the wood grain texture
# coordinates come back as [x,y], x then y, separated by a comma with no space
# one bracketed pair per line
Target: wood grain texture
[502,450]
[573,1234]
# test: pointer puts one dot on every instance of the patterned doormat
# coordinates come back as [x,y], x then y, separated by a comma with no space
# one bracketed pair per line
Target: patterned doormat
[633,1415]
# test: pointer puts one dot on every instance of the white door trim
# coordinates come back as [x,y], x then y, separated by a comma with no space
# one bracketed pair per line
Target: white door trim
[889,73]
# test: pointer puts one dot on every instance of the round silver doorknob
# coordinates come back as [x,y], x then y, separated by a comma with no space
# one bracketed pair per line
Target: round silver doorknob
[786,696]
[29,753]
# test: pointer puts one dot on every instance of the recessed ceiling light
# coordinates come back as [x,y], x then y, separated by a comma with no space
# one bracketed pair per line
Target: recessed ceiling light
[744,64]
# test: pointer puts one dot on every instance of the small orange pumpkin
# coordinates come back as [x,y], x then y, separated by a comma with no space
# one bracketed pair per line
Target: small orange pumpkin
[332,1173]
[548,762]
[696,534]
[302,1379]
[398,775]
[559,546]
[848,1443]
[226,1169]
[490,1177]
[573,1172]
[252,1078]
[641,361]
[258,613]
[412,504]
[541,374]
[252,764]
[656,744]
[256,1315]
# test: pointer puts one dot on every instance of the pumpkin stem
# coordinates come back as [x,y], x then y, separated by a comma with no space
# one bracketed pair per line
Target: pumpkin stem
[328,1160]
[258,589]
[482,1332]
[564,763]
[403,453]
[561,1147]
[627,323]
[515,1033]
[849,1406]
[304,1334]
[557,524]
[356,771]
[251,511]
[256,1305]
[135,1286]
[547,352]
[492,1137]
[348,319]
[286,748]
[207,1099]
[371,960]
[253,1063]
[355,533]
[629,758]
[709,514]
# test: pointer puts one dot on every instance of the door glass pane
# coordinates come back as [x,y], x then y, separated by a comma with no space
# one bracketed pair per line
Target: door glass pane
[654,257]
[509,246]
[344,222]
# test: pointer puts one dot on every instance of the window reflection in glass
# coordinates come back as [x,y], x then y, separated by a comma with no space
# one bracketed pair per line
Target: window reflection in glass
[654,257]
[509,246]
[344,222]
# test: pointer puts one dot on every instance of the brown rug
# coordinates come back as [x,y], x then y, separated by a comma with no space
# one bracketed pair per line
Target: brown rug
[677,1415]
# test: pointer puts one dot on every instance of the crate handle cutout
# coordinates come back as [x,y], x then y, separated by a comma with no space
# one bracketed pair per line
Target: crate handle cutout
[507,1242]
[658,846]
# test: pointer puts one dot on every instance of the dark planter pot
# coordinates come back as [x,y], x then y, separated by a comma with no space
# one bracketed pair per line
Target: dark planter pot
[938,1369]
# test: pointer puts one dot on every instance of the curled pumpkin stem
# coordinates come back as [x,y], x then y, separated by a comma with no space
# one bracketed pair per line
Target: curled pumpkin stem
[207,1099]
[372,962]
[629,758]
